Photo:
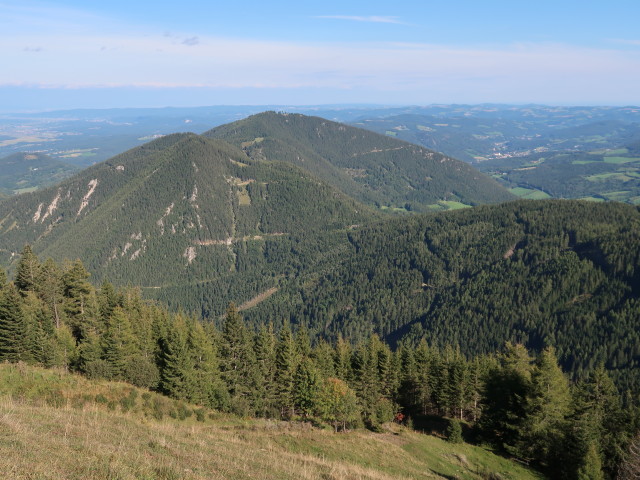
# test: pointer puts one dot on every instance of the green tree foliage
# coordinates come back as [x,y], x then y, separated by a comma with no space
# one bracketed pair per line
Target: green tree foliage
[548,406]
[27,271]
[591,468]
[506,390]
[517,400]
[13,327]
[454,431]
[286,362]
[238,365]
[338,405]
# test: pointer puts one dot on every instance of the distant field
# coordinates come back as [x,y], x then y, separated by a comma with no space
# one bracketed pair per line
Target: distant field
[448,205]
[25,190]
[529,193]
[584,162]
[618,160]
[604,151]
[607,176]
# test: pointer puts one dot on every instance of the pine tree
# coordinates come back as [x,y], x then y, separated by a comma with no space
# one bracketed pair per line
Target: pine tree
[50,289]
[238,363]
[176,375]
[598,418]
[303,342]
[323,357]
[454,431]
[506,390]
[306,386]
[13,327]
[342,360]
[591,468]
[120,344]
[27,271]
[265,343]
[547,407]
[77,291]
[208,388]
[286,363]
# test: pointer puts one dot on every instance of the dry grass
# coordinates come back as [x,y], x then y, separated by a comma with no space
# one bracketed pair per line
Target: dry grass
[95,441]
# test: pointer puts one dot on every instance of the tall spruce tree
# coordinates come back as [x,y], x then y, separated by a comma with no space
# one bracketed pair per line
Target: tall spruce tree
[27,271]
[238,363]
[505,393]
[286,363]
[13,327]
[547,409]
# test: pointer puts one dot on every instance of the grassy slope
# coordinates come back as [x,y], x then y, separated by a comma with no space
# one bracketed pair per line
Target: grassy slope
[52,427]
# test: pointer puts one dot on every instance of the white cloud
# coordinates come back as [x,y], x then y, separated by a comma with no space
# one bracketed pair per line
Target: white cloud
[98,52]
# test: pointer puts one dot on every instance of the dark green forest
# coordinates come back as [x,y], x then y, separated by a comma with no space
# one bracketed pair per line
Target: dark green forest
[519,402]
[374,169]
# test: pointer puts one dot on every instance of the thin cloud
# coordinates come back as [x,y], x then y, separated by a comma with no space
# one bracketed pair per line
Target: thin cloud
[369,19]
[32,49]
[191,41]
[622,41]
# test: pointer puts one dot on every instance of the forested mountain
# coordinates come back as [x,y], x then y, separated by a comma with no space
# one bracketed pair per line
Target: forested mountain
[197,223]
[375,169]
[181,210]
[23,172]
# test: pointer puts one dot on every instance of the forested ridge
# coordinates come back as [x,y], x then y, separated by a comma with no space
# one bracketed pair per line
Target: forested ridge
[372,168]
[520,403]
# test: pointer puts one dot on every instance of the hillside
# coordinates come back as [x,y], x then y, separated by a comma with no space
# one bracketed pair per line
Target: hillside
[196,206]
[97,430]
[23,172]
[542,273]
[374,169]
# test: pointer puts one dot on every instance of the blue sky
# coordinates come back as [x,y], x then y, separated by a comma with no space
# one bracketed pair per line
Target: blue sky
[88,54]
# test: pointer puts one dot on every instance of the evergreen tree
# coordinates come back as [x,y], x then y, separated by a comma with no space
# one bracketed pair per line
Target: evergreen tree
[547,407]
[208,388]
[303,342]
[176,376]
[454,431]
[120,344]
[13,327]
[238,363]
[342,360]
[505,393]
[27,271]
[286,363]
[50,289]
[306,386]
[265,359]
[598,419]
[591,468]
[77,291]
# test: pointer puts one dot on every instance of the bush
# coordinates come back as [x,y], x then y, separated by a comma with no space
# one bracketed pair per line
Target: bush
[454,431]
[141,372]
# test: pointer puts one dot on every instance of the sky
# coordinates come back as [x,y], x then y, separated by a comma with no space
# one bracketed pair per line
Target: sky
[99,54]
